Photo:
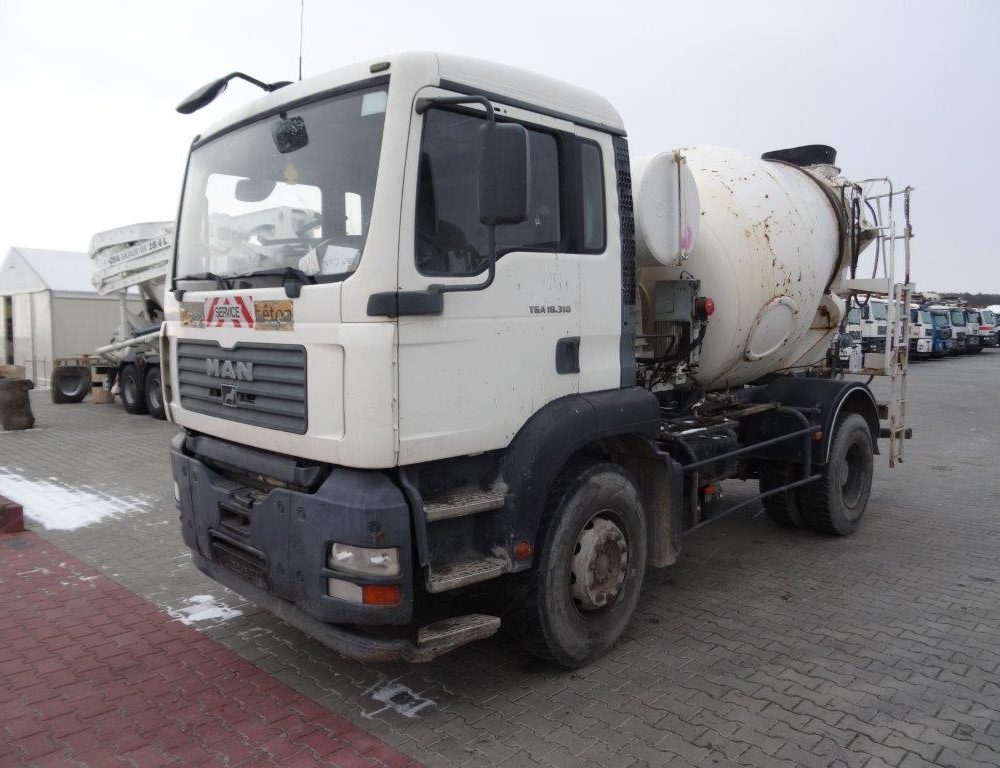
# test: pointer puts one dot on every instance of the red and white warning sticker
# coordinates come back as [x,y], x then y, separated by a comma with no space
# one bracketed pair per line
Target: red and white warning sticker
[229,312]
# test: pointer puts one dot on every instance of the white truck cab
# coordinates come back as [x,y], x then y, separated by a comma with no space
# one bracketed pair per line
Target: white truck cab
[988,328]
[921,332]
[874,325]
[977,333]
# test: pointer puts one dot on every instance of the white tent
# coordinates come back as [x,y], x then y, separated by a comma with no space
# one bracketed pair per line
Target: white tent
[49,309]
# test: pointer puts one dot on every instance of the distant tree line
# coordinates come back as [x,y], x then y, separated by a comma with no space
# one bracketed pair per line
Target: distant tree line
[975,299]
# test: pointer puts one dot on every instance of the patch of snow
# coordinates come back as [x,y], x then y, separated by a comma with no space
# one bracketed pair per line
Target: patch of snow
[203,608]
[60,507]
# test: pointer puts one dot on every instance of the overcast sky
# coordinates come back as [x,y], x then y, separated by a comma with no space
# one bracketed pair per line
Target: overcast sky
[90,139]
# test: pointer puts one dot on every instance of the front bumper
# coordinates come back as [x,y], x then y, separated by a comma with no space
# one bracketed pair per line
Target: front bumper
[921,346]
[277,545]
[873,344]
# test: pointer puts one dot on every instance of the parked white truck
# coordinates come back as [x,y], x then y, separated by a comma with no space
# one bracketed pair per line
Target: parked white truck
[494,356]
[132,262]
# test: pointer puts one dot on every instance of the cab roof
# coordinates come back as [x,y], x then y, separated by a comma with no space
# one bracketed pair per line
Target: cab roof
[498,81]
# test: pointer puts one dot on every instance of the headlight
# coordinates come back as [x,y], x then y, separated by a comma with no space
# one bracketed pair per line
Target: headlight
[362,560]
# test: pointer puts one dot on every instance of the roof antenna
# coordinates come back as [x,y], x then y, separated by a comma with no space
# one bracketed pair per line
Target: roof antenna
[302,15]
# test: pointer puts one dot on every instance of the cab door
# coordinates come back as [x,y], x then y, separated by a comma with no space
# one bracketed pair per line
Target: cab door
[471,376]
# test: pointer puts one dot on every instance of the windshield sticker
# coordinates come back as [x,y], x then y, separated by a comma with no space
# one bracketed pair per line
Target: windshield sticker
[273,315]
[229,312]
[193,314]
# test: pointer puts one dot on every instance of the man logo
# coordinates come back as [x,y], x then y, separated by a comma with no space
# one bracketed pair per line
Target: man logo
[230,397]
[228,369]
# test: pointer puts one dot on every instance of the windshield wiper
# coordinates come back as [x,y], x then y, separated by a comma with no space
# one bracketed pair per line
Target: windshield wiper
[220,282]
[293,287]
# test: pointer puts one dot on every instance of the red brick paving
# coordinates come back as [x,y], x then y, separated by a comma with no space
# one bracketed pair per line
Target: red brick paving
[93,675]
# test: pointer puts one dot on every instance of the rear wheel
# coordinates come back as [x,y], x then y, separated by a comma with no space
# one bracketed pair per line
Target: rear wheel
[782,507]
[131,389]
[835,503]
[584,587]
[153,391]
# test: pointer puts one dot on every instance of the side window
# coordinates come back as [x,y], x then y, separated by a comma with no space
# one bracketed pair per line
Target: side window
[592,182]
[450,239]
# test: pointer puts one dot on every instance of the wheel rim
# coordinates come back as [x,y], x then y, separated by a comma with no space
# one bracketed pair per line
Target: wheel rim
[852,476]
[599,565]
[128,389]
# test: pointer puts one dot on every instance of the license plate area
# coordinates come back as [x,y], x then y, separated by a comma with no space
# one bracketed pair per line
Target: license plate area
[250,565]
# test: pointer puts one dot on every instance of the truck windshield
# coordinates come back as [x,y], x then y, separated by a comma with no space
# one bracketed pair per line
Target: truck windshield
[958,318]
[878,311]
[925,317]
[289,191]
[989,318]
[940,320]
[974,318]
[854,316]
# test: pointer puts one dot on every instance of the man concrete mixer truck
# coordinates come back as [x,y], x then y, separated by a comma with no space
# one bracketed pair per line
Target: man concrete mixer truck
[472,365]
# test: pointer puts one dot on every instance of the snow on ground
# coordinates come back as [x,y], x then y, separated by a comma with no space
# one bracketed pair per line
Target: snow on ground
[203,608]
[61,507]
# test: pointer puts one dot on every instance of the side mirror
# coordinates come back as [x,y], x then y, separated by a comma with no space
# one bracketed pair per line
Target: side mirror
[503,173]
[203,96]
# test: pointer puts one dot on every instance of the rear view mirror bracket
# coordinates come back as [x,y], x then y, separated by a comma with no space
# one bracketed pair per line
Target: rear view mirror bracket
[503,172]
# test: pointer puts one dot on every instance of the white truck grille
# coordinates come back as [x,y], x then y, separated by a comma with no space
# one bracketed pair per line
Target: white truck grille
[259,384]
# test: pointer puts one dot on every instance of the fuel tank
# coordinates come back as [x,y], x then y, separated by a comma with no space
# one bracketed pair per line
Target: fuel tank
[764,237]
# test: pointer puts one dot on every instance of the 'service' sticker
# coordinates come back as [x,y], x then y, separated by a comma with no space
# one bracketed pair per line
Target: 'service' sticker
[274,315]
[229,312]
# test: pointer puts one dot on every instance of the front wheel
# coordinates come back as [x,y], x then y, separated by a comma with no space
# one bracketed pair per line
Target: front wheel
[591,562]
[835,503]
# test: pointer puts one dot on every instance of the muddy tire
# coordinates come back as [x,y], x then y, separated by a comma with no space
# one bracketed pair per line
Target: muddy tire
[591,561]
[70,384]
[153,392]
[131,390]
[782,508]
[835,503]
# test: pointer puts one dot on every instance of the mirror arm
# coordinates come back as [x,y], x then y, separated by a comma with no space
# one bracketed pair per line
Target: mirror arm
[254,81]
[491,257]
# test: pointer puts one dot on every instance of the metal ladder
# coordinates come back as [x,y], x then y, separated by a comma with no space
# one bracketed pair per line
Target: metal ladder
[877,198]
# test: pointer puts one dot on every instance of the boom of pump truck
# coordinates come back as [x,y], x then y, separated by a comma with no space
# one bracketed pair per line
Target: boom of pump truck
[446,357]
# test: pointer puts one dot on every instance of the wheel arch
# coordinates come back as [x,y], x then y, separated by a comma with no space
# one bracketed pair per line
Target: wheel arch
[829,398]
[858,400]
[618,426]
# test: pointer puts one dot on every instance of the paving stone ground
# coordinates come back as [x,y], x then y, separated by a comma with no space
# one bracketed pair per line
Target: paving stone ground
[761,647]
[93,675]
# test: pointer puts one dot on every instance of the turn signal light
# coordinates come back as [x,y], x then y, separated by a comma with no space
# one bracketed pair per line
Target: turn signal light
[380,594]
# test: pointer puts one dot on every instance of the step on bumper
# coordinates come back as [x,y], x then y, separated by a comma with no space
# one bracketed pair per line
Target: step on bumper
[432,640]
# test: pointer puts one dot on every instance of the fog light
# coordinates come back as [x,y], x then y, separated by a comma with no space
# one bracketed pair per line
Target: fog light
[362,560]
[345,590]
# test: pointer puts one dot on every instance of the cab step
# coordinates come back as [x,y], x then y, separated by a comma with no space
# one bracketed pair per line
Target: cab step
[461,502]
[461,574]
[456,631]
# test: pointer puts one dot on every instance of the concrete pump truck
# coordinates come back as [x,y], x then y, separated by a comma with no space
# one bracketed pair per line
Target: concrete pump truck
[434,337]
